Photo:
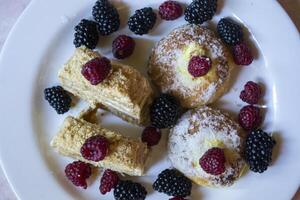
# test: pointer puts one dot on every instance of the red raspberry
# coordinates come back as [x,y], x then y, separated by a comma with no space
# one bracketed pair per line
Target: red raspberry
[123,46]
[242,54]
[251,93]
[213,161]
[151,135]
[96,70]
[77,172]
[108,181]
[170,10]
[249,117]
[199,66]
[95,148]
[177,198]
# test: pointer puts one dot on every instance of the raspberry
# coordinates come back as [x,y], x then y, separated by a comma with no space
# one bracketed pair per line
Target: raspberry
[230,32]
[77,172]
[95,148]
[142,21]
[164,111]
[200,11]
[213,161]
[177,198]
[199,66]
[86,34]
[123,46]
[128,190]
[107,17]
[58,98]
[258,150]
[249,117]
[96,70]
[151,135]
[242,54]
[251,93]
[173,183]
[108,181]
[170,10]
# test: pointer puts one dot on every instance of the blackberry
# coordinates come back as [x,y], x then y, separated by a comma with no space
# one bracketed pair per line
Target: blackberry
[173,183]
[58,98]
[86,34]
[258,150]
[230,32]
[164,111]
[142,21]
[200,11]
[107,17]
[128,190]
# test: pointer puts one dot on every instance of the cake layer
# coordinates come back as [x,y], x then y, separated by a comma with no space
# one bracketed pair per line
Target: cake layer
[125,155]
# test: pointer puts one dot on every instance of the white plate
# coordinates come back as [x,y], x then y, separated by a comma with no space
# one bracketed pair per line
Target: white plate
[41,42]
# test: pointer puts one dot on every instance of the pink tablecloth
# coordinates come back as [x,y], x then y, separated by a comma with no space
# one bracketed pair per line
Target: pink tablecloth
[11,9]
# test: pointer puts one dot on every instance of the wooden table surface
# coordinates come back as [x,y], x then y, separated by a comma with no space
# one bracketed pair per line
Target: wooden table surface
[11,9]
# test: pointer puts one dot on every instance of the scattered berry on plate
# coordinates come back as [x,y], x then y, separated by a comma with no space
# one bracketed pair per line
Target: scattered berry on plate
[200,11]
[199,66]
[86,34]
[258,150]
[251,93]
[250,117]
[170,10]
[177,198]
[96,70]
[107,17]
[95,148]
[123,46]
[164,111]
[108,181]
[142,21]
[77,172]
[230,32]
[128,190]
[213,161]
[58,98]
[151,135]
[242,54]
[173,183]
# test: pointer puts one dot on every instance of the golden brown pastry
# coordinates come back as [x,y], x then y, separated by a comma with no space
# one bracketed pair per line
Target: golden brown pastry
[125,92]
[125,155]
[168,65]
[199,130]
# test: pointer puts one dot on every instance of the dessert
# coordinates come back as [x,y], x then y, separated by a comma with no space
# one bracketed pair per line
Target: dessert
[196,145]
[124,92]
[125,155]
[169,63]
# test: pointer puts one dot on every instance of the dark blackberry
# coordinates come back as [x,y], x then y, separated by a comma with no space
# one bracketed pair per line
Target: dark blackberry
[107,17]
[173,183]
[86,34]
[258,150]
[230,32]
[128,190]
[142,21]
[58,98]
[164,111]
[200,11]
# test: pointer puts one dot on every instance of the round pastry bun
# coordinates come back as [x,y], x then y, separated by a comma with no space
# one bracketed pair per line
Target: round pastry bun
[197,131]
[168,65]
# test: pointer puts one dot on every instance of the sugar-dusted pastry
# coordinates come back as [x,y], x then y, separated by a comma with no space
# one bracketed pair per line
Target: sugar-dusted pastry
[192,64]
[125,155]
[206,145]
[124,92]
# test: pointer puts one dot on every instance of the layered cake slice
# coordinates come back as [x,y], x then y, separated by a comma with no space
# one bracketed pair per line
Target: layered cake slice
[124,92]
[124,155]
